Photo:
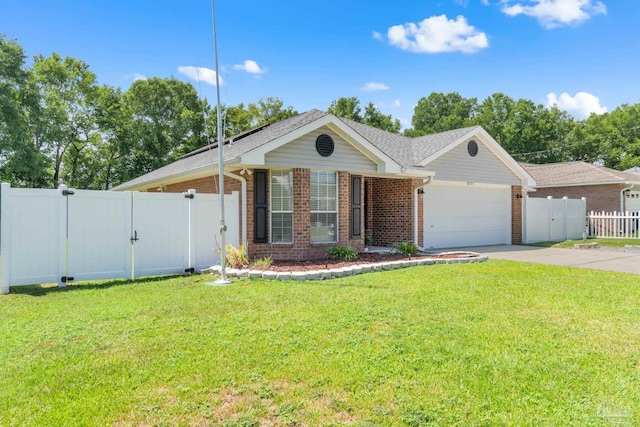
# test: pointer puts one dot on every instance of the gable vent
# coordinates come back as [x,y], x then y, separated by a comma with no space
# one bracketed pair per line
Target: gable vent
[472,148]
[324,145]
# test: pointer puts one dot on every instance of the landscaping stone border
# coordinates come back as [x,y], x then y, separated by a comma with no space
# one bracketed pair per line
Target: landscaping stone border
[303,276]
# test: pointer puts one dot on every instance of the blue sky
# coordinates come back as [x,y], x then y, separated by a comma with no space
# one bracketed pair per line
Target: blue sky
[581,54]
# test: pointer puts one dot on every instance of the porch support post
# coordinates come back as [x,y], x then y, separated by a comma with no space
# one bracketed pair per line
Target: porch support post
[425,182]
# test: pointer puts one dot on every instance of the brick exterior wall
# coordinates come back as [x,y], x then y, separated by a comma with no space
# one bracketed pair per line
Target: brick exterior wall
[302,248]
[390,210]
[516,214]
[599,197]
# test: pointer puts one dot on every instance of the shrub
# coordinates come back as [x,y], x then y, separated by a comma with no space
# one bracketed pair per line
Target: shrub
[406,248]
[343,253]
[263,262]
[236,257]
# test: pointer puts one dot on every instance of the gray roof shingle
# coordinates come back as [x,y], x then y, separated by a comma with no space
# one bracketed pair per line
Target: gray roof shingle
[572,173]
[407,152]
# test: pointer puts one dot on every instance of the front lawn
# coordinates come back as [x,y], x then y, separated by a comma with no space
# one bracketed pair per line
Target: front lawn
[605,243]
[491,344]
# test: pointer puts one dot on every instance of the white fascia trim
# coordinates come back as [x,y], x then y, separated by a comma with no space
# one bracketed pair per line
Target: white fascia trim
[384,162]
[492,144]
[589,183]
[199,172]
[436,183]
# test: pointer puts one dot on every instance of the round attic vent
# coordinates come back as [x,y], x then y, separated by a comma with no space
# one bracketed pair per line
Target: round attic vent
[324,145]
[472,148]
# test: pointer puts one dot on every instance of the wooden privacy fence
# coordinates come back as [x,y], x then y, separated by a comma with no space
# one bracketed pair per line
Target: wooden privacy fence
[616,225]
[58,236]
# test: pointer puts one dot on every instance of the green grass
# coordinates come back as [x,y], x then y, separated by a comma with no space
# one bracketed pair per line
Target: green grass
[491,344]
[607,243]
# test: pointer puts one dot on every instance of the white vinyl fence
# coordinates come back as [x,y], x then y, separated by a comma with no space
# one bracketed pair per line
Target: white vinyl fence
[58,236]
[554,220]
[616,225]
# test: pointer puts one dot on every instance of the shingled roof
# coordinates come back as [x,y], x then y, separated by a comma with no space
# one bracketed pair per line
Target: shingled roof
[576,173]
[407,152]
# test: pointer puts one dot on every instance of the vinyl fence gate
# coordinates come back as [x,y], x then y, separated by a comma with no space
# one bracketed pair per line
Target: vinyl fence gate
[64,235]
[554,220]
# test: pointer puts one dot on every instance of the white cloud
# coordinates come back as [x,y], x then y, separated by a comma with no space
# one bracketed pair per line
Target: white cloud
[396,103]
[250,66]
[138,76]
[376,35]
[556,13]
[373,87]
[580,106]
[485,2]
[201,74]
[438,34]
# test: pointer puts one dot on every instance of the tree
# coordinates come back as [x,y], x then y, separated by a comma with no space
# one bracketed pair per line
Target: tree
[373,117]
[167,122]
[347,108]
[21,164]
[63,118]
[442,112]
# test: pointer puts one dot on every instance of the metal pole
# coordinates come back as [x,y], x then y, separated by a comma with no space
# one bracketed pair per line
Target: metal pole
[223,226]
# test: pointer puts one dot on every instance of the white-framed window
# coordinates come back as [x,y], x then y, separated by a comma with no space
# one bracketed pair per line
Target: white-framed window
[281,206]
[324,207]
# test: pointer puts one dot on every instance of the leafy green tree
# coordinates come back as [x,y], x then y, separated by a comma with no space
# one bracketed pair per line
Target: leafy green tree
[63,124]
[441,112]
[347,108]
[373,117]
[167,122]
[21,163]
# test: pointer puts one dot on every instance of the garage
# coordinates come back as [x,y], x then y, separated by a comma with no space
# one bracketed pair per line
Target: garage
[466,214]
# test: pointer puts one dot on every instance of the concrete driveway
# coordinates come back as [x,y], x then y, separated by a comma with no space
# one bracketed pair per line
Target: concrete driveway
[596,259]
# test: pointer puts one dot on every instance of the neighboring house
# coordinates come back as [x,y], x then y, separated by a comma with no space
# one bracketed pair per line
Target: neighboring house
[316,180]
[634,170]
[606,189]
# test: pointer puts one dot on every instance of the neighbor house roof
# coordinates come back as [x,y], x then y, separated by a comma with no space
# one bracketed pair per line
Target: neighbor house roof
[407,152]
[576,173]
[634,170]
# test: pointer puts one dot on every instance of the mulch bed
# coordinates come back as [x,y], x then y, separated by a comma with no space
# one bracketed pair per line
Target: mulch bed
[284,266]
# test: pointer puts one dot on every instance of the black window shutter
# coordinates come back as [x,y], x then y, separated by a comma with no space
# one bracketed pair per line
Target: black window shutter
[356,205]
[260,205]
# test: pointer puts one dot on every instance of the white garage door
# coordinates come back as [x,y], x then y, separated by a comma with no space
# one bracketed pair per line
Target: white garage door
[633,201]
[466,215]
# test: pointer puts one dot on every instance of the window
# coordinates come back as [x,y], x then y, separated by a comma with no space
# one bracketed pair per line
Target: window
[324,207]
[281,207]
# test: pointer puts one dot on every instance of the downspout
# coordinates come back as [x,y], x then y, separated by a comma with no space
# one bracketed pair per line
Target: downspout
[630,186]
[244,203]
[415,211]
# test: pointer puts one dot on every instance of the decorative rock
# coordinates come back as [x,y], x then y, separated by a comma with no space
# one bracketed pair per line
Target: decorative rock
[300,276]
[353,270]
[255,274]
[270,275]
[326,274]
[314,275]
[592,245]
[284,276]
[232,272]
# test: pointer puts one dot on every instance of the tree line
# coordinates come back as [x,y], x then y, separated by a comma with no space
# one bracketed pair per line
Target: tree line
[58,124]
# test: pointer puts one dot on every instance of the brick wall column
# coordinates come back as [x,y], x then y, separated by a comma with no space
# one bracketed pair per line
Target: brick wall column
[516,214]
